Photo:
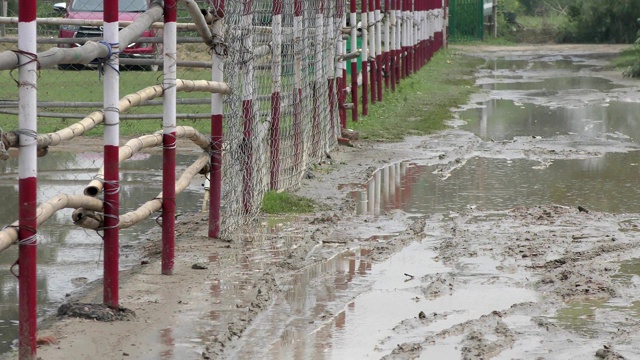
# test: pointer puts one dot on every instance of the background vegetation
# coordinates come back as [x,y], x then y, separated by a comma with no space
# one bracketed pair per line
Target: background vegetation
[575,21]
[588,21]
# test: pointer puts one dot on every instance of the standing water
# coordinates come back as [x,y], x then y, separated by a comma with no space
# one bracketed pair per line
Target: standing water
[70,256]
[580,133]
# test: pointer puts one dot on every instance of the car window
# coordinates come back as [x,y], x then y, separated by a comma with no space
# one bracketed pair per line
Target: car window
[97,5]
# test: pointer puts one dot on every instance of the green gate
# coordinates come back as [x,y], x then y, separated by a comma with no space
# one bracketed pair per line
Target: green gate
[466,20]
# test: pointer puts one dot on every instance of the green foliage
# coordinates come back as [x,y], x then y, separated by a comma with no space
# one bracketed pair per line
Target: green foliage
[421,103]
[285,203]
[634,69]
[602,21]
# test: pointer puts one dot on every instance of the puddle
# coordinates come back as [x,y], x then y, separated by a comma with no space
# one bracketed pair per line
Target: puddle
[503,120]
[360,305]
[603,183]
[64,250]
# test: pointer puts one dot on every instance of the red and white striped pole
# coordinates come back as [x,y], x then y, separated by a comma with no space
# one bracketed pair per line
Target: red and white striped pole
[399,30]
[111,157]
[405,37]
[364,16]
[318,77]
[28,181]
[373,65]
[387,44]
[353,21]
[423,33]
[297,91]
[393,19]
[247,109]
[412,34]
[169,138]
[332,67]
[430,40]
[444,25]
[378,18]
[217,72]
[276,71]
[341,69]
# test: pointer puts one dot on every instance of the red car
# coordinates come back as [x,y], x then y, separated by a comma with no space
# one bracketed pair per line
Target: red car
[93,10]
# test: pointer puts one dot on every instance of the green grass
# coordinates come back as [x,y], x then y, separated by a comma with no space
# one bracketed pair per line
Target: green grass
[541,22]
[625,59]
[86,85]
[286,203]
[422,102]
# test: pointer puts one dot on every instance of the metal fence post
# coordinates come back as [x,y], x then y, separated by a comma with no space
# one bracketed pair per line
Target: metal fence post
[169,138]
[217,72]
[111,156]
[28,178]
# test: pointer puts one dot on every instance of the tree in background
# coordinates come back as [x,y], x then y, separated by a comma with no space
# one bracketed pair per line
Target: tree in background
[634,69]
[602,21]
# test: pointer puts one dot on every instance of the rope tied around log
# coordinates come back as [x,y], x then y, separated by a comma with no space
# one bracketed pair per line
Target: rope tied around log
[31,57]
[107,59]
[28,133]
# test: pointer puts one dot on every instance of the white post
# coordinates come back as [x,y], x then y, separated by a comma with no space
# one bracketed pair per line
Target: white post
[27,182]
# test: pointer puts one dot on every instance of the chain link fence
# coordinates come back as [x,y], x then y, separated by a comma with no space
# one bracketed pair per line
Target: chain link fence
[281,116]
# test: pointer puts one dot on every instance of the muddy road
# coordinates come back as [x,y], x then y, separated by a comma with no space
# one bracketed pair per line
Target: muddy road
[513,235]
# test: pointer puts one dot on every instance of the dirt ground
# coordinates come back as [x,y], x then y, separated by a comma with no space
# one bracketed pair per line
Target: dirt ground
[219,291]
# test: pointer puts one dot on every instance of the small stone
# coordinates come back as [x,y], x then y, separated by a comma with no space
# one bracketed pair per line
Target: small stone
[422,315]
[198,266]
[144,262]
[125,354]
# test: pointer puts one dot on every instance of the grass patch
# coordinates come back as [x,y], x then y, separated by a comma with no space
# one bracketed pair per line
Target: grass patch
[87,86]
[421,103]
[286,203]
[625,59]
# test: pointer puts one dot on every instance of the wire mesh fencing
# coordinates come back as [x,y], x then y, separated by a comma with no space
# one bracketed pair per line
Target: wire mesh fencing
[282,114]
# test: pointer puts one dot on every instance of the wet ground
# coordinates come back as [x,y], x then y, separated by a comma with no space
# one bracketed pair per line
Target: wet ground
[69,257]
[507,266]
[465,244]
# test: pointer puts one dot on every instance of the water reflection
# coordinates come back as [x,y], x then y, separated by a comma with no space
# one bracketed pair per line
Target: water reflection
[503,120]
[65,251]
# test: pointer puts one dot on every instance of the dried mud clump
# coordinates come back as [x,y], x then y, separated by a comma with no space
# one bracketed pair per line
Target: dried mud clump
[99,312]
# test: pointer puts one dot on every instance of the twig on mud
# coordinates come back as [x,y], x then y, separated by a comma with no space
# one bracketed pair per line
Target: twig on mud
[411,277]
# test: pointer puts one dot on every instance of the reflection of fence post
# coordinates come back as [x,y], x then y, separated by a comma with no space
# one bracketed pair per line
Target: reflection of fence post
[217,70]
[276,71]
[353,22]
[169,138]
[111,156]
[27,169]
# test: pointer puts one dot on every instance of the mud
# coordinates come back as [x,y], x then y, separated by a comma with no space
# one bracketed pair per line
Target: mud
[447,279]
